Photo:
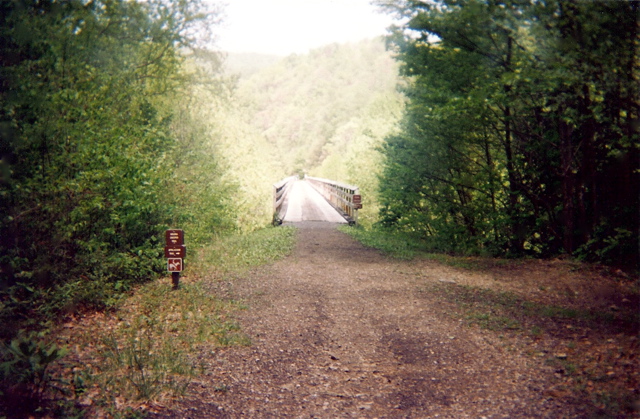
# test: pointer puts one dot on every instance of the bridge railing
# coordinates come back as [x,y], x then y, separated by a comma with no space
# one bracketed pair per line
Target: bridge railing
[344,198]
[280,190]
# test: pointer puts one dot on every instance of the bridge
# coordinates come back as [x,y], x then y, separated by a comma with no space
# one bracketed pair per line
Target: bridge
[315,199]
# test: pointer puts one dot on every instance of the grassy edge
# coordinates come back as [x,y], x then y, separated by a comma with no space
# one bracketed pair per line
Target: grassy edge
[393,244]
[586,368]
[143,351]
[404,246]
[237,253]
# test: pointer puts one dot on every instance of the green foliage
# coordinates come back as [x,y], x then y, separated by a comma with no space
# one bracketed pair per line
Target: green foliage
[323,114]
[520,132]
[299,103]
[200,194]
[353,153]
[26,361]
[94,156]
[252,165]
[244,251]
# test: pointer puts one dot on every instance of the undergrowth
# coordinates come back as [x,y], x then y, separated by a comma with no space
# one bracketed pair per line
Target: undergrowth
[405,246]
[150,352]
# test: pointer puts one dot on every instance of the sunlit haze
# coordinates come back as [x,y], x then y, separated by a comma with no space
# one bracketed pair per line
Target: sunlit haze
[284,27]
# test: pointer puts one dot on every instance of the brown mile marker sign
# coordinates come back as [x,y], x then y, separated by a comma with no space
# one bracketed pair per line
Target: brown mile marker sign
[175,251]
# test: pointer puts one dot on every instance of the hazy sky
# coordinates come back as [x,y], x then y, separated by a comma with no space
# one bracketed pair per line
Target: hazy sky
[283,27]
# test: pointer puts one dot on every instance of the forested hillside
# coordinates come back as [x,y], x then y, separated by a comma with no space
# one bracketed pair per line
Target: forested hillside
[521,132]
[323,113]
[247,64]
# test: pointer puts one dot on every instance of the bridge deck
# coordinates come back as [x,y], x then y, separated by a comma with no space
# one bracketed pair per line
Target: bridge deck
[306,204]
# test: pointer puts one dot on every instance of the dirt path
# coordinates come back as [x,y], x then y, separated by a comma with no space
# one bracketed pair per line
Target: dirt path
[338,330]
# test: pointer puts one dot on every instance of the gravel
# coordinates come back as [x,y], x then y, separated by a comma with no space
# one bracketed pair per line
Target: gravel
[340,330]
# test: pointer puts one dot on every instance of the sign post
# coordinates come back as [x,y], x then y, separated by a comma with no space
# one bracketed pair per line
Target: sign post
[357,204]
[175,252]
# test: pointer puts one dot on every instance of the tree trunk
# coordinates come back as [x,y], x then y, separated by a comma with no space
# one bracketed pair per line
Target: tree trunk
[568,185]
[514,241]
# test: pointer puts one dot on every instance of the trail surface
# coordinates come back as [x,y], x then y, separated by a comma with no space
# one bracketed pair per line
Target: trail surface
[339,330]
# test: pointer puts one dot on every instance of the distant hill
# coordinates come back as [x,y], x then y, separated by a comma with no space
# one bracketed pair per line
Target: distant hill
[324,113]
[301,103]
[247,64]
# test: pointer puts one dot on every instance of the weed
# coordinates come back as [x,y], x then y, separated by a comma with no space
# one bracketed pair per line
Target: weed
[609,402]
[26,360]
[148,354]
[536,331]
[455,262]
[493,322]
[25,376]
[511,305]
[144,368]
[557,312]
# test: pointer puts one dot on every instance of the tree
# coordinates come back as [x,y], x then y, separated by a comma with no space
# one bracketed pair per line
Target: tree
[515,110]
[87,145]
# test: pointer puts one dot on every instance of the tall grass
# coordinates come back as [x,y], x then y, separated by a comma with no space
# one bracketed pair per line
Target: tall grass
[151,353]
[240,252]
[395,244]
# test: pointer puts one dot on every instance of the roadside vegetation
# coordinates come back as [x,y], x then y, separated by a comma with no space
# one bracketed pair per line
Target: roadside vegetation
[520,133]
[399,245]
[144,351]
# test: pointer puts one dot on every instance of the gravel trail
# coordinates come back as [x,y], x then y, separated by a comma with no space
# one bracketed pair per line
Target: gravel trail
[339,330]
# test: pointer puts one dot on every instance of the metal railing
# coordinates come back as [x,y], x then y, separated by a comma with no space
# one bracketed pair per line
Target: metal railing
[344,198]
[280,190]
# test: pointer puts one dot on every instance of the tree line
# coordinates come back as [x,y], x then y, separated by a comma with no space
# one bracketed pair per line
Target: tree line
[100,149]
[521,132]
